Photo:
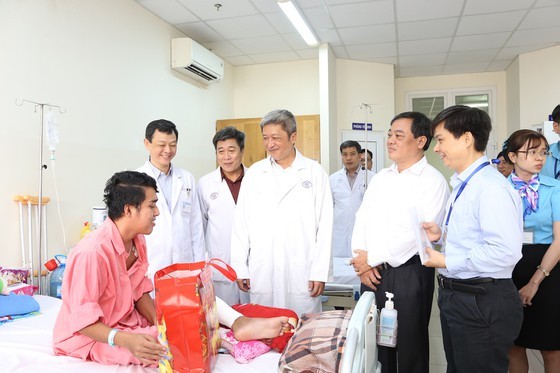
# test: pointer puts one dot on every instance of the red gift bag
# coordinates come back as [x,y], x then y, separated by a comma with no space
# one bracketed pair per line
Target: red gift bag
[186,304]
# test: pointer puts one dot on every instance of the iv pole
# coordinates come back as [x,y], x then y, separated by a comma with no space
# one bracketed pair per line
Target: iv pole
[366,107]
[40,204]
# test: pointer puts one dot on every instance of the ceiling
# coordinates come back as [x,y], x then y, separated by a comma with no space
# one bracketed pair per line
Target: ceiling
[420,37]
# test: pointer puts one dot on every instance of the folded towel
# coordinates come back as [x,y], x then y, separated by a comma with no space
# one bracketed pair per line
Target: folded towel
[15,304]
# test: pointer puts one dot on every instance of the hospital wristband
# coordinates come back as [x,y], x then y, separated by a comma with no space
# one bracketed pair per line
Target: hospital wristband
[111,337]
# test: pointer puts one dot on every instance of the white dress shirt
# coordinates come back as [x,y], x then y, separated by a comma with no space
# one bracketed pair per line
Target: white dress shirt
[387,220]
[485,231]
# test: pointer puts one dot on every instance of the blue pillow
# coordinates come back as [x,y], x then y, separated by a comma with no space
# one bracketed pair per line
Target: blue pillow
[17,304]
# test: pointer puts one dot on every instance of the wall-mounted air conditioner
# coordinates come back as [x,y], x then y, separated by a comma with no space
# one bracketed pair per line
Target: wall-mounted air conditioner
[192,59]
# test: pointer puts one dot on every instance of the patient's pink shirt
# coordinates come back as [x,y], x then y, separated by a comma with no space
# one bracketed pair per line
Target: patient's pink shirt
[97,286]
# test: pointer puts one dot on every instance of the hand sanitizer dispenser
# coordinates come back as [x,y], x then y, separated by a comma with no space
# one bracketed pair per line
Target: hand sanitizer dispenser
[387,330]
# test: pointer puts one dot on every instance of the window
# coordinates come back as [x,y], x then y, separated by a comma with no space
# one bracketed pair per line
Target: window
[431,103]
[478,101]
[429,106]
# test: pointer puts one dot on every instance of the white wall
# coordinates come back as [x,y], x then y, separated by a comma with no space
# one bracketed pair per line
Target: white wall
[328,94]
[293,86]
[539,91]
[107,63]
[369,83]
[513,99]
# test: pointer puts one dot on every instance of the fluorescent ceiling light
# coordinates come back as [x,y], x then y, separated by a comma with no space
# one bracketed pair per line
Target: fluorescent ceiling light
[299,23]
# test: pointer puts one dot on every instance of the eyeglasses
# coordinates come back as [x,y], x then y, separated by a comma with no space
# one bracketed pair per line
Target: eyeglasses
[533,153]
[495,161]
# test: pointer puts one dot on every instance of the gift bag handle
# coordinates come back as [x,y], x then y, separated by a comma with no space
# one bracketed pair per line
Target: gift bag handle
[178,266]
[221,266]
[224,268]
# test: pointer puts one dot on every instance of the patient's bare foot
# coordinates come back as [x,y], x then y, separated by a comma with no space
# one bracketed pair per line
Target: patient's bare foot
[248,328]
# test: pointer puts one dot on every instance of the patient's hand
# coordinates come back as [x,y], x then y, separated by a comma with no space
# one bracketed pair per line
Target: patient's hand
[143,346]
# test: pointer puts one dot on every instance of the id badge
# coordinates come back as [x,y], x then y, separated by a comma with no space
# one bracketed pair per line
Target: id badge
[444,239]
[528,236]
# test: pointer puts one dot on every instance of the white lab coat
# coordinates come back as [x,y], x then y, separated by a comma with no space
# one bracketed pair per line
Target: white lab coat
[178,235]
[282,231]
[346,202]
[217,207]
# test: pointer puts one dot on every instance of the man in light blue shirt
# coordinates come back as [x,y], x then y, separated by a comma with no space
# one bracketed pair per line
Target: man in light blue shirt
[552,166]
[482,235]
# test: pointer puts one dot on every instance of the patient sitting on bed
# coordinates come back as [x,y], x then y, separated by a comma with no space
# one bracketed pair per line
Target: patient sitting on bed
[107,314]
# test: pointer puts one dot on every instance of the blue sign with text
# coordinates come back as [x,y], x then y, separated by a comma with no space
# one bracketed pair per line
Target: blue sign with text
[361,126]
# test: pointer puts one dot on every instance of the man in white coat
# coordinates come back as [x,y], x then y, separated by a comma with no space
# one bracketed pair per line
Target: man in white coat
[348,186]
[178,234]
[281,238]
[217,194]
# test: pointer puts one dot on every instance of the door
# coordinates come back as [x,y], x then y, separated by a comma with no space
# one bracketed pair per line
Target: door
[308,140]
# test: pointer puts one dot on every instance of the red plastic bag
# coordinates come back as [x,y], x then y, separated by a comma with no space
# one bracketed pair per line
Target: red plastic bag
[186,304]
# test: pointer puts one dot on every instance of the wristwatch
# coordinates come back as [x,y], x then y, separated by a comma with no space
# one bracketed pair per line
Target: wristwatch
[546,273]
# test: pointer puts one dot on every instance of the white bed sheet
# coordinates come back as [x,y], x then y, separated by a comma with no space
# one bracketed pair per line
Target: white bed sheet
[26,346]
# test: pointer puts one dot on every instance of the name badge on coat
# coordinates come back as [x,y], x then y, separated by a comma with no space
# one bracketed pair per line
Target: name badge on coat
[186,202]
[528,236]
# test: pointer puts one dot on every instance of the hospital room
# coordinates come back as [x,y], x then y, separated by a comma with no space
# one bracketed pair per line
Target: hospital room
[81,80]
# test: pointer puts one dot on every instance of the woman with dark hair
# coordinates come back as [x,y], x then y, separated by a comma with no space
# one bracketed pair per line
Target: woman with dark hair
[536,275]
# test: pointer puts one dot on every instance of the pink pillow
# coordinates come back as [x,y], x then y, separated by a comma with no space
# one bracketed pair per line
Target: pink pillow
[242,352]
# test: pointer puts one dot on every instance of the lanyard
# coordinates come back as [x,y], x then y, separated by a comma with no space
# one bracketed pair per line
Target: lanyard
[480,167]
[556,172]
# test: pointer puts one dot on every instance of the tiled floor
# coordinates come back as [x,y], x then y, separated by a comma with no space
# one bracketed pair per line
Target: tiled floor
[437,355]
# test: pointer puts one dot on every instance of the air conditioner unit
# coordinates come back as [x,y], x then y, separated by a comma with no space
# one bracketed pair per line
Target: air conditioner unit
[192,59]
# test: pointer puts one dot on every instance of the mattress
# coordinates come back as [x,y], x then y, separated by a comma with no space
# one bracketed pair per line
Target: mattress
[26,346]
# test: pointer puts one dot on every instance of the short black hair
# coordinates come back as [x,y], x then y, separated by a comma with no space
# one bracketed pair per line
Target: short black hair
[556,114]
[460,119]
[501,154]
[368,151]
[229,133]
[420,125]
[161,125]
[351,144]
[126,188]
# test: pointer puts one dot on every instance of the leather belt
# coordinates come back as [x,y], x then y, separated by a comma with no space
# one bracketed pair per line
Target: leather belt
[414,259]
[471,286]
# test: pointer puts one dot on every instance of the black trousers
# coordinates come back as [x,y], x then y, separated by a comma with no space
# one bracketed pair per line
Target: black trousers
[413,287]
[479,329]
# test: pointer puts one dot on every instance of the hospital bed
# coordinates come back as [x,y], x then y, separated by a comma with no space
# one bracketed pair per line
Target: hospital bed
[26,346]
[344,291]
